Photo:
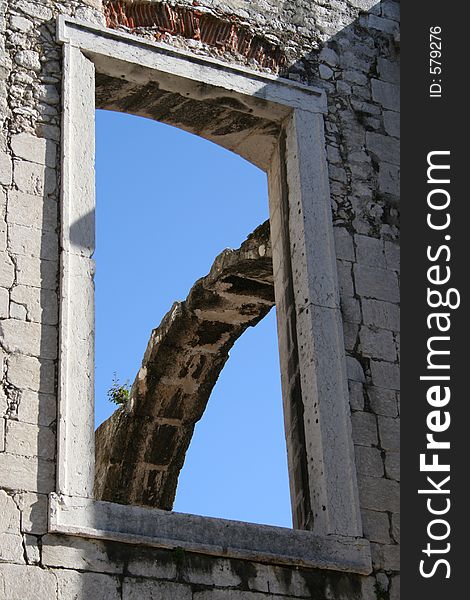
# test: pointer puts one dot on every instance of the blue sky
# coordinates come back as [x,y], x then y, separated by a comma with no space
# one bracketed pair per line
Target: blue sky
[167,203]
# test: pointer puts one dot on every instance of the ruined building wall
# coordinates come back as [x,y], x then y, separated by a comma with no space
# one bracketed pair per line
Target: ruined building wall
[350,48]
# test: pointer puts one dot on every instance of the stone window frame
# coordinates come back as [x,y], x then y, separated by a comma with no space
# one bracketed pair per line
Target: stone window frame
[297,176]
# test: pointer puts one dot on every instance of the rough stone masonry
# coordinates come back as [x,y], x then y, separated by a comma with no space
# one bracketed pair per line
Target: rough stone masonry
[349,48]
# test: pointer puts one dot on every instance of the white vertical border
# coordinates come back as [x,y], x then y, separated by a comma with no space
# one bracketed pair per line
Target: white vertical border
[76,445]
[333,490]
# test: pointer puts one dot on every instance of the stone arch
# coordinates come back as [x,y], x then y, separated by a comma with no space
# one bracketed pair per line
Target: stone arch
[141,448]
[198,109]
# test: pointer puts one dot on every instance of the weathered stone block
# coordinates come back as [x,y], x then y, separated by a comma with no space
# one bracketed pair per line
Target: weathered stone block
[73,585]
[11,549]
[32,211]
[33,178]
[34,149]
[355,77]
[379,494]
[364,427]
[366,5]
[29,474]
[207,572]
[392,123]
[28,59]
[387,94]
[392,465]
[41,305]
[21,24]
[385,25]
[43,582]
[36,408]
[33,242]
[383,581]
[10,515]
[360,101]
[384,148]
[391,10]
[17,311]
[356,395]
[5,169]
[48,94]
[154,563]
[4,303]
[344,88]
[78,553]
[27,372]
[369,461]
[27,338]
[388,70]
[272,579]
[32,303]
[329,56]
[354,370]
[3,235]
[392,255]
[378,344]
[345,280]
[380,284]
[34,512]
[368,591]
[229,595]
[37,11]
[31,547]
[370,251]
[351,309]
[350,331]
[366,108]
[334,157]
[396,527]
[376,526]
[26,439]
[386,558]
[325,72]
[389,179]
[381,314]
[385,375]
[37,273]
[7,271]
[389,433]
[395,588]
[344,244]
[338,174]
[383,402]
[351,60]
[135,589]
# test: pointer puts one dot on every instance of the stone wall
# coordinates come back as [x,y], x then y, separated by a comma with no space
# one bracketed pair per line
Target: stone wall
[140,449]
[350,48]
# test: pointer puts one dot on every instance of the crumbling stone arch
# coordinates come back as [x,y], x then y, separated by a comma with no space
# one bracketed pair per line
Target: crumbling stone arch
[140,449]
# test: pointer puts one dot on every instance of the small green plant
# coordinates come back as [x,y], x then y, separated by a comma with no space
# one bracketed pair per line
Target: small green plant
[119,393]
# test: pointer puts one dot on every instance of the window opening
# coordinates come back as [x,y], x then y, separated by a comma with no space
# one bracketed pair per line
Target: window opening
[168,203]
[278,126]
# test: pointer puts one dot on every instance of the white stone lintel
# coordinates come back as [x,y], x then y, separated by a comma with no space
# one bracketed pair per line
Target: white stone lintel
[116,45]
